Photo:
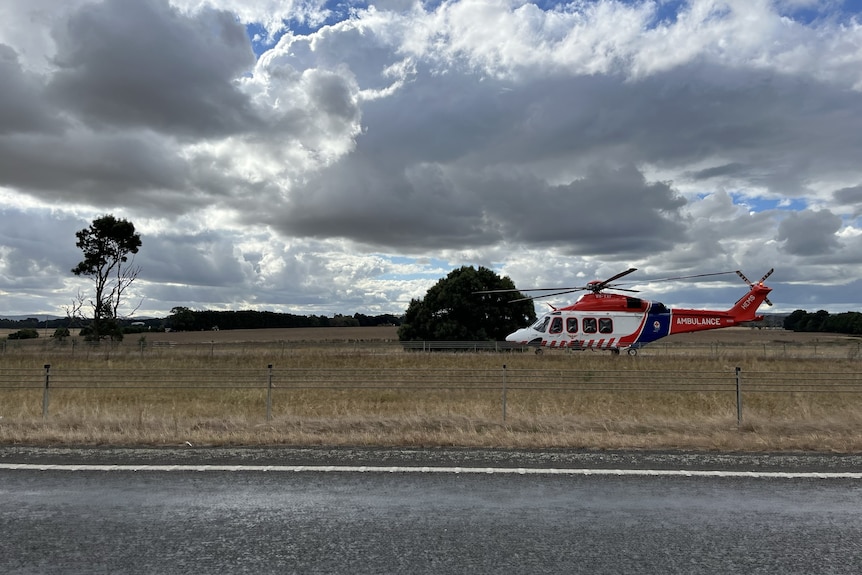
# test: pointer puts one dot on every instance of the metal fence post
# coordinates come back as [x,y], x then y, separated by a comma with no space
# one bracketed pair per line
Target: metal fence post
[269,394]
[504,393]
[738,397]
[45,393]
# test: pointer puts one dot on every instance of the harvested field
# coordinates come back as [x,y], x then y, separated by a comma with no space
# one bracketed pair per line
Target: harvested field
[211,388]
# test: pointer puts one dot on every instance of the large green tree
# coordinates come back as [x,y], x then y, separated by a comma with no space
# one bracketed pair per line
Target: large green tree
[182,319]
[453,311]
[107,245]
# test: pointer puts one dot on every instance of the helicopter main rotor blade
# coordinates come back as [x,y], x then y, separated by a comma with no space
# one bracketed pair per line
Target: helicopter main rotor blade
[528,289]
[535,297]
[599,286]
[688,277]
[618,276]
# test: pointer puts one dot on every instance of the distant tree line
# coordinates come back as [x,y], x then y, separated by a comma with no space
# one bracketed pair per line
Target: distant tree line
[848,322]
[185,319]
[34,323]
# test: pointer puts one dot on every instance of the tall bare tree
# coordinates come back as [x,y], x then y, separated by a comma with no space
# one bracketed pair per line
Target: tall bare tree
[107,245]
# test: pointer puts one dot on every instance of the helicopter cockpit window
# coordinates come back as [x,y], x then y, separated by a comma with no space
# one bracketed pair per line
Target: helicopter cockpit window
[588,324]
[542,324]
[606,325]
[556,325]
[572,324]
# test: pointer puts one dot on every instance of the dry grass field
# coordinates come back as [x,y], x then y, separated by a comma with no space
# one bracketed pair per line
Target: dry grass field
[353,386]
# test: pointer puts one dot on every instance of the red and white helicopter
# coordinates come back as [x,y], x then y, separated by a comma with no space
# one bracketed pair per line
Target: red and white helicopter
[615,322]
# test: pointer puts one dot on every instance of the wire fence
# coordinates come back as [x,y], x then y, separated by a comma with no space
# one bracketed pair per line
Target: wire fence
[75,347]
[502,381]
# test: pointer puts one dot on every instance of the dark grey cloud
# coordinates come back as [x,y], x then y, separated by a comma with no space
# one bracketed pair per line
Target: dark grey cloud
[431,206]
[732,169]
[198,259]
[761,127]
[134,169]
[609,211]
[23,108]
[420,163]
[133,80]
[141,63]
[810,233]
[382,205]
[29,262]
[851,196]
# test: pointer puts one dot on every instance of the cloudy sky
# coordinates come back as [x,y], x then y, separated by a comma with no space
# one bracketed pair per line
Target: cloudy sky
[319,158]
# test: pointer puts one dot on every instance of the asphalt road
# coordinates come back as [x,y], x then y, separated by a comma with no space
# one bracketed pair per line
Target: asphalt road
[323,511]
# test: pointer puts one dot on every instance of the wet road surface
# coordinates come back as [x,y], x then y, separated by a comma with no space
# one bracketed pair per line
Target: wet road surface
[252,521]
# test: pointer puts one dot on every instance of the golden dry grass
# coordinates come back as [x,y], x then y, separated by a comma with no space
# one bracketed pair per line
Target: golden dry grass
[403,415]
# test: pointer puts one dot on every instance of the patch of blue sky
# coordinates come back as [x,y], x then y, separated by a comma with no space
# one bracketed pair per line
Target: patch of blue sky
[261,41]
[758,204]
[815,11]
[420,268]
[851,222]
[667,11]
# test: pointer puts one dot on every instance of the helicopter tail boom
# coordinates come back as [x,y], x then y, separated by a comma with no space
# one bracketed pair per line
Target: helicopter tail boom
[744,310]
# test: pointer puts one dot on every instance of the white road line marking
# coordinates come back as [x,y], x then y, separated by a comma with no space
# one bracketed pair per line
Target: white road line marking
[444,470]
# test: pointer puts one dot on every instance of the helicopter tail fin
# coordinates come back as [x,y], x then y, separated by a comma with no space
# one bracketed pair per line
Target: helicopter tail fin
[745,308]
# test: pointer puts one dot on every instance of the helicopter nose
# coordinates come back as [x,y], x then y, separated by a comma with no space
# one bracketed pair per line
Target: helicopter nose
[518,336]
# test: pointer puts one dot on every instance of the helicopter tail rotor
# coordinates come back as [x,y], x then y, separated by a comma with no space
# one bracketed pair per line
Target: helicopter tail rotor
[763,279]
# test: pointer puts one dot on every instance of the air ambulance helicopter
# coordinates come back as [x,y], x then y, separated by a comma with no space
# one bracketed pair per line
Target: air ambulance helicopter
[614,322]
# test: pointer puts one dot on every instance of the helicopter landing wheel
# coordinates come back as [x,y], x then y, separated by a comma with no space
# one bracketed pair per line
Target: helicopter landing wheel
[615,351]
[632,351]
[539,351]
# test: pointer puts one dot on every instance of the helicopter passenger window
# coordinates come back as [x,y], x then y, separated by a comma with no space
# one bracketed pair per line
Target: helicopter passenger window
[542,324]
[606,325]
[588,324]
[572,324]
[556,325]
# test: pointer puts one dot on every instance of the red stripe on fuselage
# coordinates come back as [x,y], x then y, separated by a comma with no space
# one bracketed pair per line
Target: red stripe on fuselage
[688,320]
